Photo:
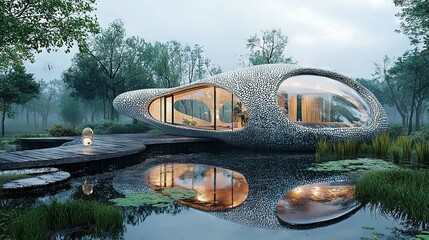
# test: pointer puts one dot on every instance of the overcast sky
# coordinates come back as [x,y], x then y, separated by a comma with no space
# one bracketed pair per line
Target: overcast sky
[346,36]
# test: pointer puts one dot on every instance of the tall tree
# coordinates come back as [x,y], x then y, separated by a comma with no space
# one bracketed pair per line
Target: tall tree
[268,48]
[16,87]
[27,27]
[414,17]
[395,92]
[111,63]
[168,63]
[48,99]
[411,72]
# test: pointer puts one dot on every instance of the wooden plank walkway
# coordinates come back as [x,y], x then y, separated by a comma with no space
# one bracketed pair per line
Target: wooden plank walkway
[104,147]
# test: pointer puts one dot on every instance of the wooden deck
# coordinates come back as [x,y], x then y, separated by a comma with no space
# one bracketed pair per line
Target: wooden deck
[105,147]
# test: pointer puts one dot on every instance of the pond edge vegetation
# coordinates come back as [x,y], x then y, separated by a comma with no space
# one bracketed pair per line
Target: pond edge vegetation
[42,221]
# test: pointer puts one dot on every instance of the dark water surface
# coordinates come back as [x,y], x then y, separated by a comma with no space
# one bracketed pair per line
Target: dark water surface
[237,194]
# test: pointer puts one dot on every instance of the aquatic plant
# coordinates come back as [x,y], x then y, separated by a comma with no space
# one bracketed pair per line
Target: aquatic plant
[339,150]
[364,148]
[380,145]
[360,164]
[404,193]
[406,144]
[153,198]
[422,151]
[424,235]
[397,154]
[350,149]
[323,148]
[43,220]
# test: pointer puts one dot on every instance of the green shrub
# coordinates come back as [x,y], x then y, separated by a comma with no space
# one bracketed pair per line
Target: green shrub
[40,222]
[59,131]
[422,151]
[107,127]
[401,192]
[396,130]
[420,135]
[380,145]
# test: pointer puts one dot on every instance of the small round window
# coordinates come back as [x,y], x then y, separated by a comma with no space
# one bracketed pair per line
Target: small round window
[318,102]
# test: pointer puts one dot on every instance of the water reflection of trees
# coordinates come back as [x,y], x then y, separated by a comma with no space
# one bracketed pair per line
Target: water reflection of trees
[137,215]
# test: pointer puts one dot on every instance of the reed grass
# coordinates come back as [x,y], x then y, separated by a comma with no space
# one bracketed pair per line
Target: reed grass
[405,193]
[396,153]
[422,152]
[339,150]
[41,221]
[364,148]
[323,147]
[380,145]
[350,148]
[406,144]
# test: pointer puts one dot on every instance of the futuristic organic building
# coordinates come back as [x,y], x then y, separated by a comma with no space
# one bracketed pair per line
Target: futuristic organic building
[277,106]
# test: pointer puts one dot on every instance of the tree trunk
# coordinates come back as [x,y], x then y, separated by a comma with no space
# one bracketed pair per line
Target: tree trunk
[410,123]
[28,117]
[3,118]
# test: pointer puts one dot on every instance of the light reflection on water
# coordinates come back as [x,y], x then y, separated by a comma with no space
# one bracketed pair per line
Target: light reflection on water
[259,179]
[217,188]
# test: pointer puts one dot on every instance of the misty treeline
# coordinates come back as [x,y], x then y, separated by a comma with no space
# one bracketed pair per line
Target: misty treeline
[112,63]
[403,82]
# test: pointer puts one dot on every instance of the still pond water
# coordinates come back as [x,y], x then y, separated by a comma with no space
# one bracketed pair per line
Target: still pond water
[237,194]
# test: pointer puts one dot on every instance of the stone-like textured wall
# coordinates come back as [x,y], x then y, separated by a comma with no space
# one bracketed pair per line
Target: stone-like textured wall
[268,127]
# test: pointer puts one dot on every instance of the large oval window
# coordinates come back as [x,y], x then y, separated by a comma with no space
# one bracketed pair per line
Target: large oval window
[207,107]
[315,101]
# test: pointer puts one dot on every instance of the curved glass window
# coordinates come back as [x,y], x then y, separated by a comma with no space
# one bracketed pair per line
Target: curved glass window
[317,102]
[193,108]
[207,107]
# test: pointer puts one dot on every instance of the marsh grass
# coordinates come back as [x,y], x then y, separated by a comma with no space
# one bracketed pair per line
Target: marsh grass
[380,145]
[406,144]
[404,193]
[350,148]
[396,153]
[43,220]
[364,148]
[340,149]
[323,148]
[422,152]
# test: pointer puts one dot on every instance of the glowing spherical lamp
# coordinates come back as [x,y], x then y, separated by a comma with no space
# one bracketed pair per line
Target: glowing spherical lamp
[87,136]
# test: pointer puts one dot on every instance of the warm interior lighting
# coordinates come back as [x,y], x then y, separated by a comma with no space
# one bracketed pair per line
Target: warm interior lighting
[316,101]
[208,107]
[318,202]
[217,188]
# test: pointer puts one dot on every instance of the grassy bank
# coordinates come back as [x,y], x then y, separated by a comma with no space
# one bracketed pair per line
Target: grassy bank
[402,192]
[40,222]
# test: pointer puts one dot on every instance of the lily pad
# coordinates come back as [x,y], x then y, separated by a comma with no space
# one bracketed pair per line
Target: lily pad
[348,165]
[378,234]
[368,228]
[152,198]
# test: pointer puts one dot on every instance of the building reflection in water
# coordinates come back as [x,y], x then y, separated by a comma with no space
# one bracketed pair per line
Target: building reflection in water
[315,203]
[217,188]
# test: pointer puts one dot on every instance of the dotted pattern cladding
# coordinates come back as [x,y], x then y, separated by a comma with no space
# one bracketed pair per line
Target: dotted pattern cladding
[268,127]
